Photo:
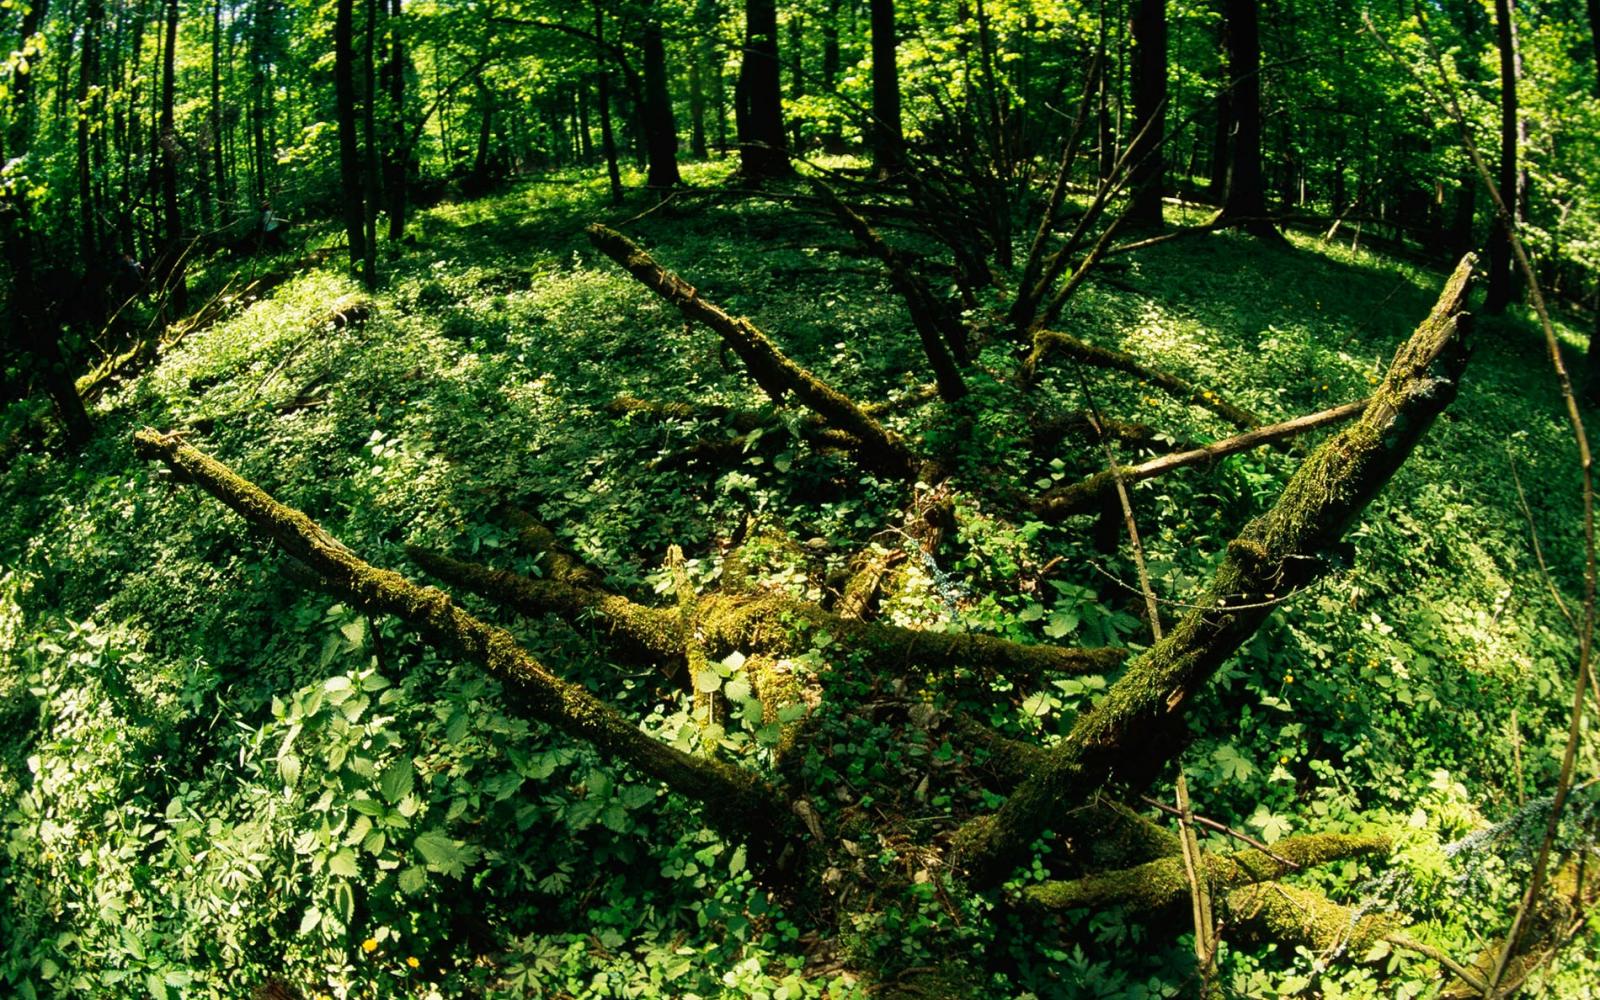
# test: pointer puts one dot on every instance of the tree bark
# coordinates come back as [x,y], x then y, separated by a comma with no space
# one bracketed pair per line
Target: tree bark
[763,149]
[1501,277]
[885,136]
[1149,112]
[1139,725]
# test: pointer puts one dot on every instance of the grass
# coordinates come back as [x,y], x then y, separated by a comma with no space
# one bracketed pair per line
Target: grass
[158,665]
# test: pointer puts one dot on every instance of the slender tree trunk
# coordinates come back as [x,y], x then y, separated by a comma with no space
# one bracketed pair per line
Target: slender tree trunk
[797,75]
[90,112]
[398,167]
[371,183]
[661,130]
[763,151]
[1501,280]
[173,283]
[833,138]
[1149,111]
[885,137]
[1245,204]
[219,173]
[19,129]
[344,89]
[700,56]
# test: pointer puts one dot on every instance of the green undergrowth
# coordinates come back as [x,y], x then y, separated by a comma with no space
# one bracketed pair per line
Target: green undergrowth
[212,775]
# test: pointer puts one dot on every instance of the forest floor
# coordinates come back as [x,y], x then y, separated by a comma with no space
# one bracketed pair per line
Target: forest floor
[190,731]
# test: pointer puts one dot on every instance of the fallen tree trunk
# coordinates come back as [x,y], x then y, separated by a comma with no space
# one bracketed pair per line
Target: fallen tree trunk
[1162,883]
[736,801]
[878,449]
[1084,496]
[770,624]
[1047,341]
[1139,725]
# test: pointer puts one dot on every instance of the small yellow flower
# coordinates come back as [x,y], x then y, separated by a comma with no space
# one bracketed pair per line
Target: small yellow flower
[1288,678]
[1283,760]
[370,945]
[412,961]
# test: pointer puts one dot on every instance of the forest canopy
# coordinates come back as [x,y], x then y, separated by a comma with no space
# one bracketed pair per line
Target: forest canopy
[798,498]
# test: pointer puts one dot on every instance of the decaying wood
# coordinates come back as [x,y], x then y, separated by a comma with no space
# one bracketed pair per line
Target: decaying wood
[1085,495]
[1162,883]
[765,623]
[878,448]
[553,561]
[736,801]
[1138,726]
[1047,342]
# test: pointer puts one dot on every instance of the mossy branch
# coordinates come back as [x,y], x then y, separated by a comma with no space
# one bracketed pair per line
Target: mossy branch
[771,624]
[1085,495]
[1302,917]
[1162,883]
[1138,726]
[1046,342]
[736,801]
[878,449]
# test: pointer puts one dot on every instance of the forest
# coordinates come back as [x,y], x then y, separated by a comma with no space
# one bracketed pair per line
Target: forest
[799,498]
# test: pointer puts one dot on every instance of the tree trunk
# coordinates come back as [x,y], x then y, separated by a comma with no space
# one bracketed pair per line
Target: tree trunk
[1501,278]
[371,185]
[885,137]
[1245,203]
[398,166]
[832,138]
[175,300]
[1140,724]
[344,89]
[1149,112]
[214,116]
[701,54]
[661,130]
[797,76]
[763,151]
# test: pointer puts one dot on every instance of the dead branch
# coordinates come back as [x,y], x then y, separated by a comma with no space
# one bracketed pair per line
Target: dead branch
[1045,342]
[766,623]
[1159,884]
[879,449]
[1138,726]
[736,800]
[1084,496]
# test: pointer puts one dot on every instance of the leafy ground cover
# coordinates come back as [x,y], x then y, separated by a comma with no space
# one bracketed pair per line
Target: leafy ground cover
[215,777]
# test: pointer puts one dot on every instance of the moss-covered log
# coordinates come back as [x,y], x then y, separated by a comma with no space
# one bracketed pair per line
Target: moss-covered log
[1046,342]
[1163,883]
[1085,495]
[736,801]
[767,623]
[878,449]
[1139,725]
[1294,916]
[554,562]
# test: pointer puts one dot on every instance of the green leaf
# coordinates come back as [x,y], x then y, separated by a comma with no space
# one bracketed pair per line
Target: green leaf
[707,681]
[413,879]
[443,855]
[1231,764]
[398,779]
[344,864]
